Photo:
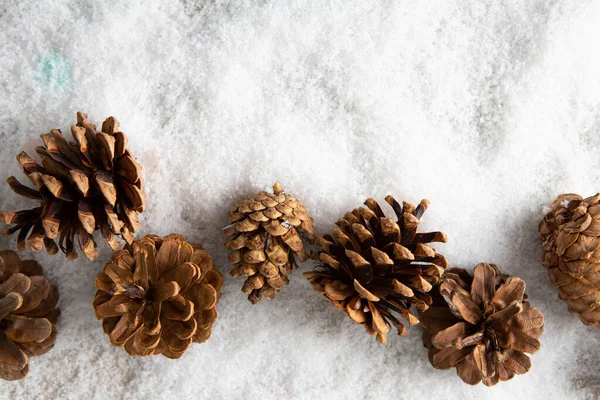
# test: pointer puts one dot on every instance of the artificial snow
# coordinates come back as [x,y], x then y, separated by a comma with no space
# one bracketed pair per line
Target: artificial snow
[489,109]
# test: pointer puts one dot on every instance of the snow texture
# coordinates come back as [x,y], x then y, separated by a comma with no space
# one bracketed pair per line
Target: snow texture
[487,108]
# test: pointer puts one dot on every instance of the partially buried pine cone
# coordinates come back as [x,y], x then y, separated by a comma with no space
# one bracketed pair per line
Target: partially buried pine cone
[93,183]
[158,296]
[374,268]
[483,325]
[571,241]
[267,230]
[28,314]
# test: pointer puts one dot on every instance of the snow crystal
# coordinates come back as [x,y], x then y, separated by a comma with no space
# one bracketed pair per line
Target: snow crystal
[489,109]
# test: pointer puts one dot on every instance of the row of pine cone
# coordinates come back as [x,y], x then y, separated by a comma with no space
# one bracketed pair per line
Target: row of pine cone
[159,295]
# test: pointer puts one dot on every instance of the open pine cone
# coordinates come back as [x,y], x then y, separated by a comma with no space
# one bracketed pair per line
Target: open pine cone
[158,296]
[266,231]
[94,183]
[28,314]
[571,241]
[373,267]
[483,325]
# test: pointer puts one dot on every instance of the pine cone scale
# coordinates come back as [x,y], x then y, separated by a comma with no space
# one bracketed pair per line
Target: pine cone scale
[10,355]
[9,303]
[23,329]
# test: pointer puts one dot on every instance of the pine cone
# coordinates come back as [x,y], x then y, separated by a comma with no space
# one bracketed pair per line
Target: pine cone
[266,231]
[94,183]
[158,296]
[571,241]
[482,325]
[28,314]
[373,267]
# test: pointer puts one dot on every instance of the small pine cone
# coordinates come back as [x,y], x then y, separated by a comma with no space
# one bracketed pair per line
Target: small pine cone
[483,325]
[571,241]
[93,183]
[158,296]
[374,269]
[28,314]
[266,231]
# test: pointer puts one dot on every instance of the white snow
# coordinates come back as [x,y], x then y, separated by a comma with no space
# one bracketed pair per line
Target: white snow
[489,109]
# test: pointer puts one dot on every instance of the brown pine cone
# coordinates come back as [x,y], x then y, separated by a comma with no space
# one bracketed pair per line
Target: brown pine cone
[158,296]
[266,231]
[483,325]
[94,183]
[28,314]
[373,268]
[571,241]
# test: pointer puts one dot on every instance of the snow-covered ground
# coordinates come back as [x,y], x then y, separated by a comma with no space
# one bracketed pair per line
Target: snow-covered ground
[487,108]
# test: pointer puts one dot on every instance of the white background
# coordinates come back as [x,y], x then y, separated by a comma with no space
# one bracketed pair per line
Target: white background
[489,109]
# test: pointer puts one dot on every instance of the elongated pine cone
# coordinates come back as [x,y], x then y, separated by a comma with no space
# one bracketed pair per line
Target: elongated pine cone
[158,296]
[266,231]
[373,268]
[28,314]
[483,325]
[93,183]
[571,241]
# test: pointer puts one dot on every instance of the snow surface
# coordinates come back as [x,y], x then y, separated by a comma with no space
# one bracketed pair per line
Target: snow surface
[489,109]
